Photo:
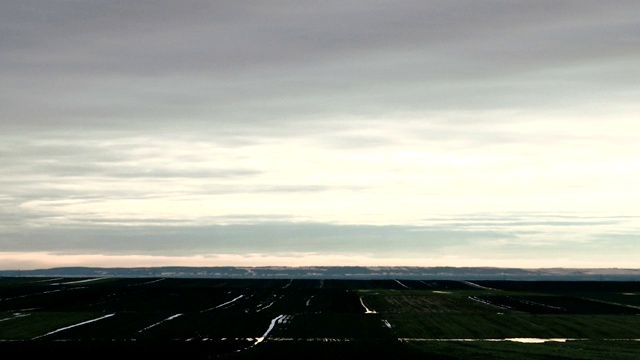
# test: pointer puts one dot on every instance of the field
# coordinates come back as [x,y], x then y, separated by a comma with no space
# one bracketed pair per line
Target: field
[376,319]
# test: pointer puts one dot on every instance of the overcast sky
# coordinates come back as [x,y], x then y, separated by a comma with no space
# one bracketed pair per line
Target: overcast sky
[250,133]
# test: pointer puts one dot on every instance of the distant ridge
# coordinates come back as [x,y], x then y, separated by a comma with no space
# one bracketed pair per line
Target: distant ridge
[341,272]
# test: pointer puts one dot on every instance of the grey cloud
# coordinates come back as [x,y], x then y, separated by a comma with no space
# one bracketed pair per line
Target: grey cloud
[105,172]
[345,142]
[12,217]
[94,64]
[516,220]
[258,234]
[516,224]
[251,238]
[267,236]
[621,241]
[195,34]
[130,158]
[599,247]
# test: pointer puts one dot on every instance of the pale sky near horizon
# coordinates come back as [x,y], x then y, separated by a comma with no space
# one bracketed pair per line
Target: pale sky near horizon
[252,133]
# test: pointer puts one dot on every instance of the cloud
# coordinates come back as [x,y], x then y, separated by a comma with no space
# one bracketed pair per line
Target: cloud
[146,64]
[121,120]
[262,237]
[505,234]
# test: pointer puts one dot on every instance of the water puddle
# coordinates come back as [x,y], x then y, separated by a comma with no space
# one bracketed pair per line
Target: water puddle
[280,319]
[537,340]
[224,304]
[160,322]
[366,309]
[519,340]
[75,325]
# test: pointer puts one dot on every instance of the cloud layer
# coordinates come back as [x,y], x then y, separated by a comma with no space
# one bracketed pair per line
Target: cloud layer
[337,128]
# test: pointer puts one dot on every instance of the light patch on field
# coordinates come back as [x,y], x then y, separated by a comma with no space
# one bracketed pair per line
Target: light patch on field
[262,306]
[78,281]
[366,309]
[486,302]
[27,295]
[160,322]
[75,325]
[149,282]
[277,319]
[469,283]
[537,340]
[223,304]
[15,316]
[520,340]
[309,301]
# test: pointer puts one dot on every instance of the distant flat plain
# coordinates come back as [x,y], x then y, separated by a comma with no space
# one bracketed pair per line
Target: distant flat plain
[324,318]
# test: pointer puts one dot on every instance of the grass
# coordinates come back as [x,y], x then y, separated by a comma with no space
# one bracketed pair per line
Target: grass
[472,326]
[220,316]
[582,350]
[39,323]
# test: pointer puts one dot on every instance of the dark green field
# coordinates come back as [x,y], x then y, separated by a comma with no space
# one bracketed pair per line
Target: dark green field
[374,319]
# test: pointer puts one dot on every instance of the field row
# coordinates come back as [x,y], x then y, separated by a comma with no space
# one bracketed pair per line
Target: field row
[231,315]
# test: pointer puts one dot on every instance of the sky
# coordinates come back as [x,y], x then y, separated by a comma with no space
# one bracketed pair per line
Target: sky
[304,133]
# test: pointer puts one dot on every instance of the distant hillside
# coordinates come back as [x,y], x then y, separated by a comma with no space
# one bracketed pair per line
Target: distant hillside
[330,272]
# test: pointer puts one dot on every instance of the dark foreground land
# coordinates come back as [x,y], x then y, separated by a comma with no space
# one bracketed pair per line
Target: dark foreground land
[318,319]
